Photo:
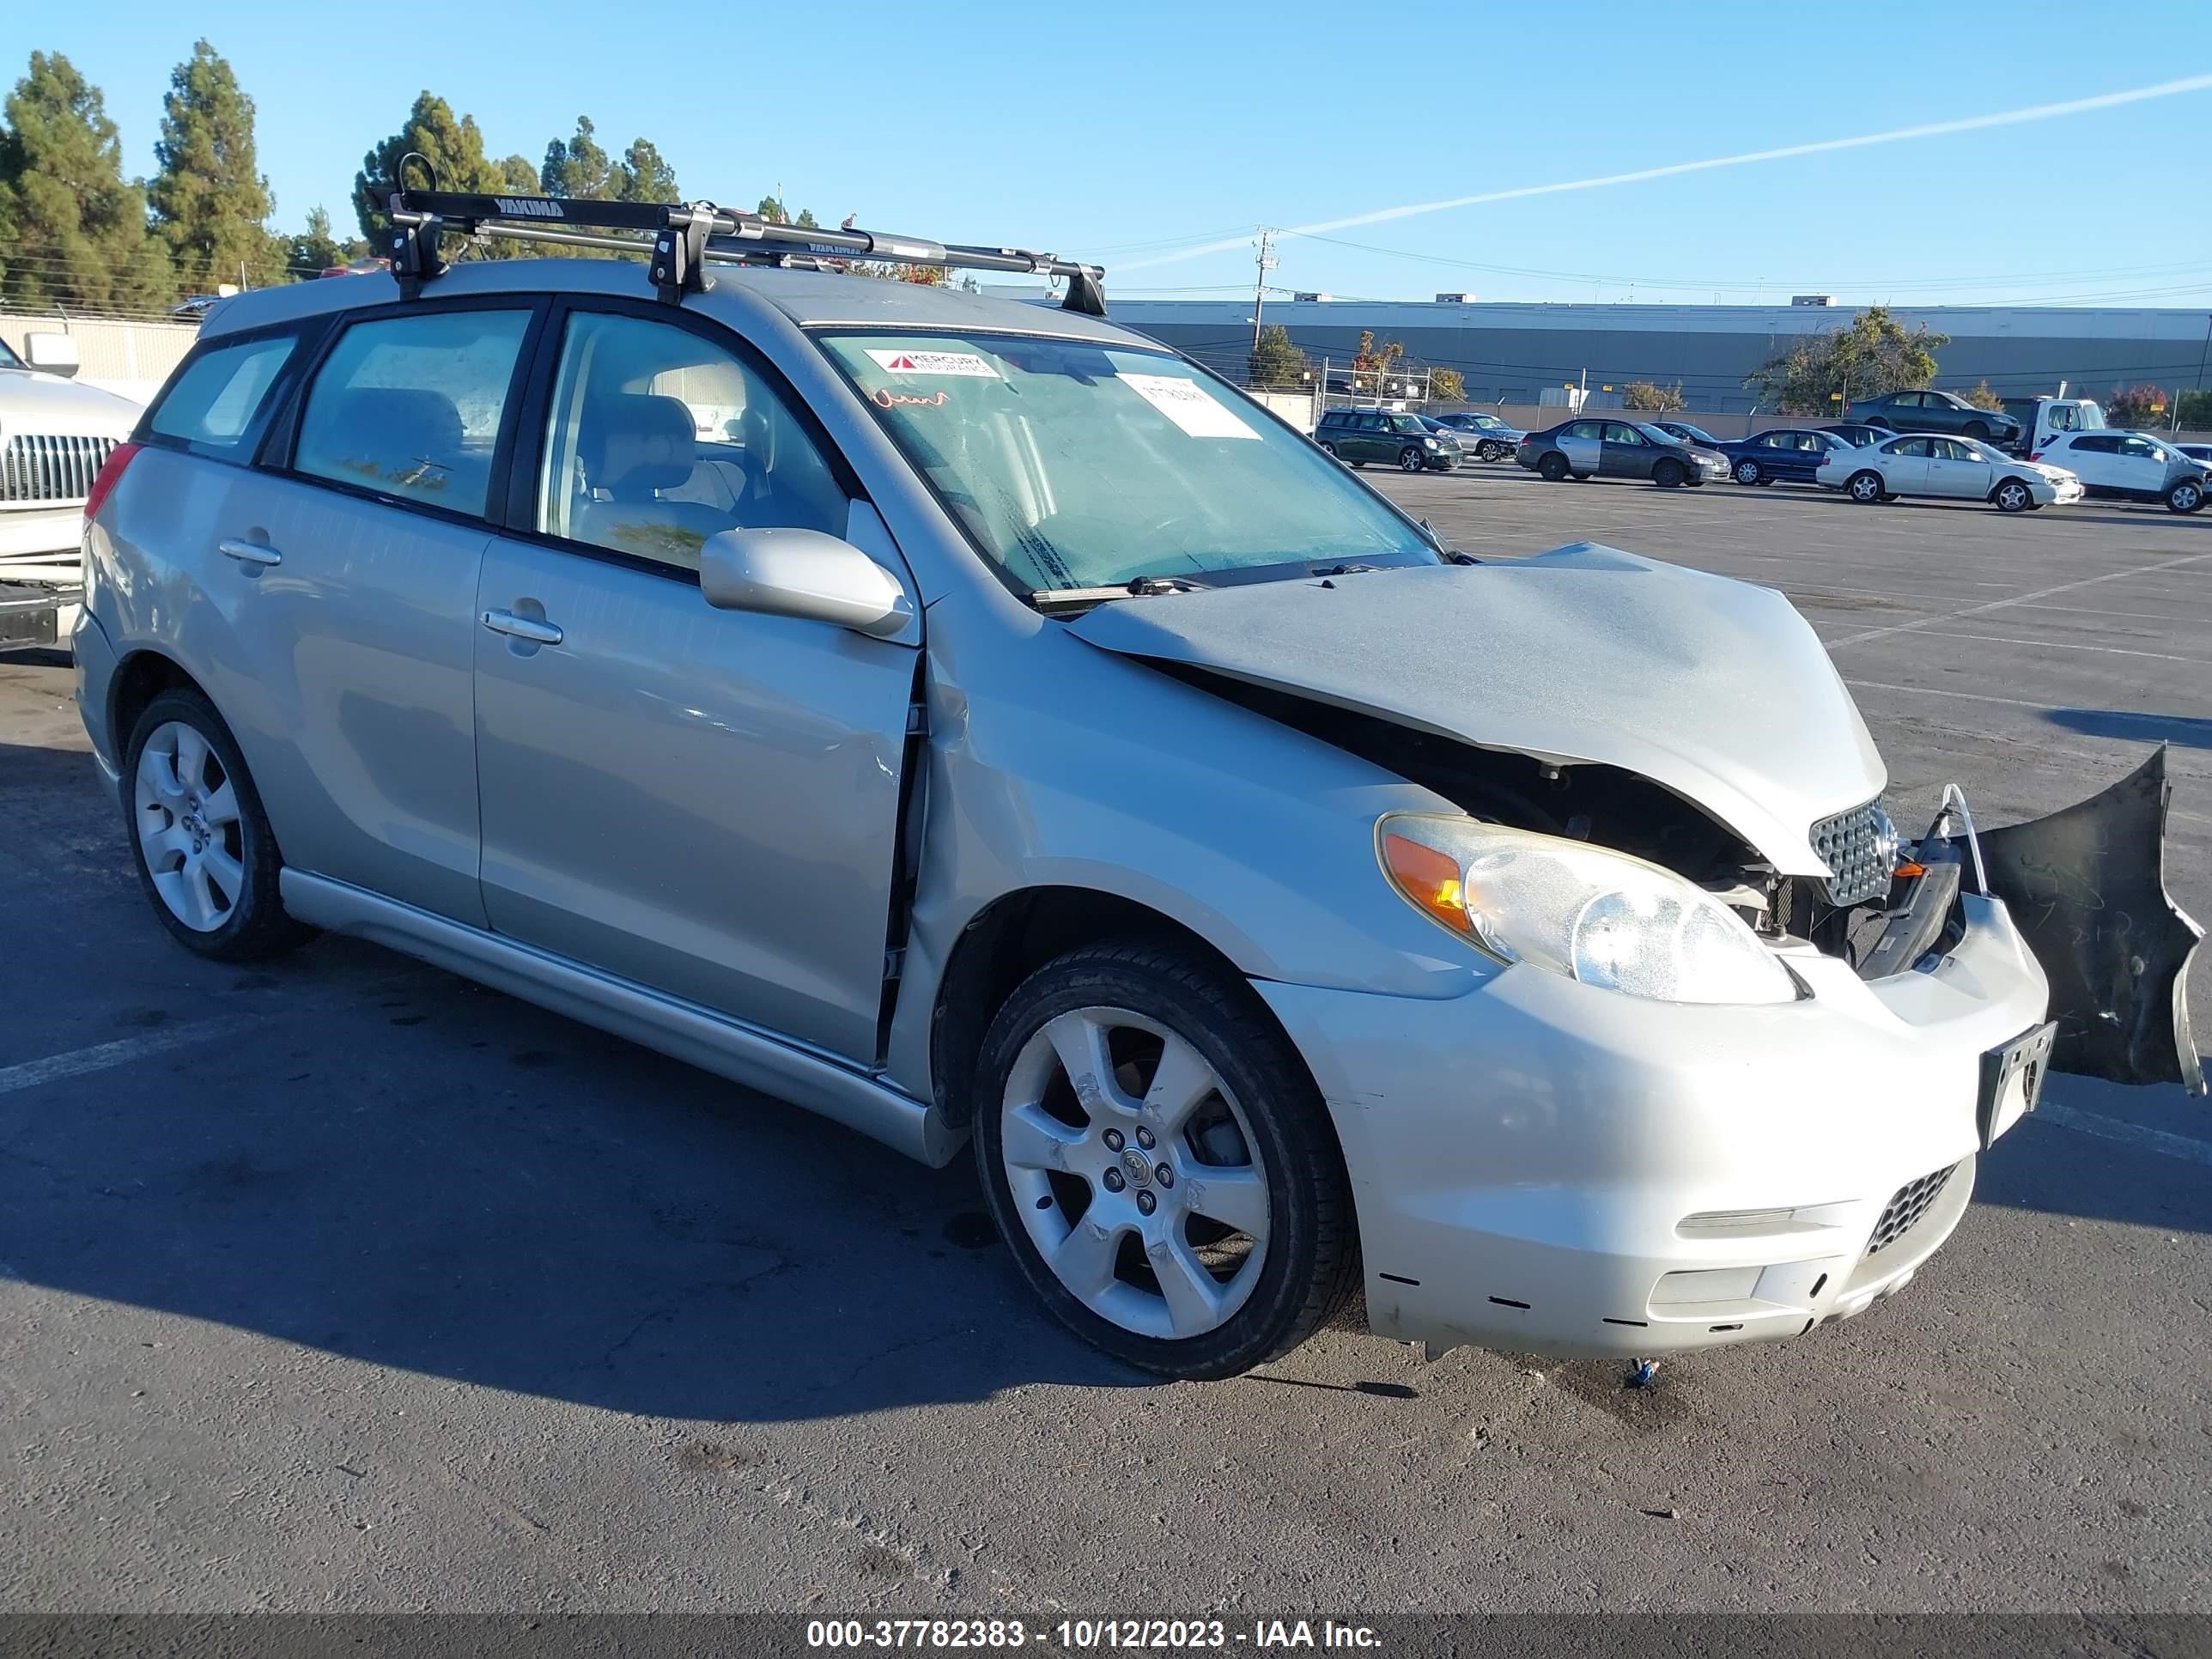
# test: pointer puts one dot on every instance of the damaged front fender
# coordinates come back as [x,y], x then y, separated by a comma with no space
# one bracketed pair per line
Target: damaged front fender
[2087,888]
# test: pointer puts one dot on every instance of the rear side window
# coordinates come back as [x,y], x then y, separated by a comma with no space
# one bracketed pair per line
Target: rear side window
[411,406]
[219,392]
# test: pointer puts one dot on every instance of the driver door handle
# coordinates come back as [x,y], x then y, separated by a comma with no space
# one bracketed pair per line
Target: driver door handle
[249,552]
[523,628]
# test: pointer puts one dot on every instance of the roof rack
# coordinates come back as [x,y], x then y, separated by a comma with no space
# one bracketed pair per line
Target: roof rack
[682,238]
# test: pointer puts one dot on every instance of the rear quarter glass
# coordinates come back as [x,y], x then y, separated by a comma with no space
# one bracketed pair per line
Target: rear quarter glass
[212,403]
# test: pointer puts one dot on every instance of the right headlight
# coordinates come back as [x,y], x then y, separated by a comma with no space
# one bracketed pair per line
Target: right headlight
[1595,915]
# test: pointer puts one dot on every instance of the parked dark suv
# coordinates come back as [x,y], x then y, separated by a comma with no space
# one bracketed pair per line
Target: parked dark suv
[1357,436]
[1934,411]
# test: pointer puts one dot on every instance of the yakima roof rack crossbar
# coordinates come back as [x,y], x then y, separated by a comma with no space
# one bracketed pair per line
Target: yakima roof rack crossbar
[684,239]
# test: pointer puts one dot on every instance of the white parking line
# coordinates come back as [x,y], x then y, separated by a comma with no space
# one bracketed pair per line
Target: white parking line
[2021,598]
[2128,1134]
[100,1057]
[2060,645]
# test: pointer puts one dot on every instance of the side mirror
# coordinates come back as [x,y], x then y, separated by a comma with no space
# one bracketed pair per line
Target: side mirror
[56,354]
[803,573]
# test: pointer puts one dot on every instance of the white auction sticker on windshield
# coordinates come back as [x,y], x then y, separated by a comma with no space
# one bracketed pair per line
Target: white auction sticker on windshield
[1188,405]
[965,364]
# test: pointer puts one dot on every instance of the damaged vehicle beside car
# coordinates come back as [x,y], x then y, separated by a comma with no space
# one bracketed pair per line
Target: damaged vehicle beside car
[973,722]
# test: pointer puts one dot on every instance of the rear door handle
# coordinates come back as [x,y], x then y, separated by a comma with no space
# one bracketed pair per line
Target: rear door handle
[523,628]
[249,552]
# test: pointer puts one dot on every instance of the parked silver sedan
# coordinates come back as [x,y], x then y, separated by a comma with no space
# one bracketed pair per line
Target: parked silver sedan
[971,721]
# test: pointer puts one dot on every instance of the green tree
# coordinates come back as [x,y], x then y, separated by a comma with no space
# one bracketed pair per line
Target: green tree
[1982,398]
[1275,362]
[1644,394]
[207,197]
[1876,354]
[2194,410]
[2138,406]
[643,175]
[453,146]
[772,210]
[317,248]
[577,168]
[72,228]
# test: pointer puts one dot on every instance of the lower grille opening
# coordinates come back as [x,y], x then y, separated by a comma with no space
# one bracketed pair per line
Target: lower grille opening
[1904,1210]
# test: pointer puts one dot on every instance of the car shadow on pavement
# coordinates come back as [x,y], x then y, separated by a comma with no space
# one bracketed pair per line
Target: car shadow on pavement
[440,1179]
[2182,731]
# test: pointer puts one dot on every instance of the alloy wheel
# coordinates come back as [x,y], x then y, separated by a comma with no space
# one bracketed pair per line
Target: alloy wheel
[188,828]
[1746,473]
[1136,1172]
[1866,488]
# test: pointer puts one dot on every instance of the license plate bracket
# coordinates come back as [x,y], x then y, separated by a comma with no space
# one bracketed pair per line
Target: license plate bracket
[2012,1081]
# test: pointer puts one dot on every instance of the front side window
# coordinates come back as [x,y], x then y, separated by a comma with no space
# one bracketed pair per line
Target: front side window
[1075,465]
[1624,434]
[216,396]
[658,438]
[411,406]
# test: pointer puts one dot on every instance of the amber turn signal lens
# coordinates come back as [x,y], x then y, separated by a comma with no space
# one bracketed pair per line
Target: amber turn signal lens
[1430,878]
[1908,871]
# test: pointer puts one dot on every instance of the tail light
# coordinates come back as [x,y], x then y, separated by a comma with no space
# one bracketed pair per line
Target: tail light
[110,474]
[2034,454]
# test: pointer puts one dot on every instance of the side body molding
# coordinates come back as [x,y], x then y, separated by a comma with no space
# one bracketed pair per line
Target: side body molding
[2086,886]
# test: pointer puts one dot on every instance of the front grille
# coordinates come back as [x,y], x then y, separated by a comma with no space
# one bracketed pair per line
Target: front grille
[1850,844]
[50,470]
[1903,1212]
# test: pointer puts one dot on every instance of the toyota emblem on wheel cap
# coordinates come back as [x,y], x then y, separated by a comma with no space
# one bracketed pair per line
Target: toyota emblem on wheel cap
[1138,1166]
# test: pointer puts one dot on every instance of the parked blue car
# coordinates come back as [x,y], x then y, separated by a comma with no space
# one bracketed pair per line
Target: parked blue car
[1780,454]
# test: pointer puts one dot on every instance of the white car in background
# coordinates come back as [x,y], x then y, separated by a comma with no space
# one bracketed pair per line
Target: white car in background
[1961,469]
[2129,466]
[54,438]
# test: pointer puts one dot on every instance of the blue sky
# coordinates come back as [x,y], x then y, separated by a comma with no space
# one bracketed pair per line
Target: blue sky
[1126,132]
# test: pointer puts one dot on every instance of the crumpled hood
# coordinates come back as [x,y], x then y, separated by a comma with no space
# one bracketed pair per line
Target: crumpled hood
[1715,689]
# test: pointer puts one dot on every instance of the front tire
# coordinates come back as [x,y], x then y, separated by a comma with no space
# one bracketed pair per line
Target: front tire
[2187,495]
[2013,496]
[1865,489]
[1490,451]
[1668,475]
[1747,472]
[1160,1163]
[1410,460]
[206,857]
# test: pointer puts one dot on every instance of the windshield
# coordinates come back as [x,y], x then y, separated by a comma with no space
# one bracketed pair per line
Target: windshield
[1079,466]
[8,357]
[1657,434]
[1985,451]
[1491,422]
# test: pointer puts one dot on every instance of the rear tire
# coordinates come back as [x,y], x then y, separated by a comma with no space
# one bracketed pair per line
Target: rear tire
[1102,1191]
[2187,495]
[1978,430]
[1329,450]
[1552,468]
[1668,475]
[1865,489]
[206,857]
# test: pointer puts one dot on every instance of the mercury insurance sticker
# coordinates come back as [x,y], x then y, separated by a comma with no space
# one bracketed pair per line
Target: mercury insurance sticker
[1188,405]
[965,364]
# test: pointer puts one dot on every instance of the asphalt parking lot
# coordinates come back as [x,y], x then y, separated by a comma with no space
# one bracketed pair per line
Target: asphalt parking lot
[340,1283]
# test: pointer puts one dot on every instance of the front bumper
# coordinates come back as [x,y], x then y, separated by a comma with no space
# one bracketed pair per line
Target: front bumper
[1537,1164]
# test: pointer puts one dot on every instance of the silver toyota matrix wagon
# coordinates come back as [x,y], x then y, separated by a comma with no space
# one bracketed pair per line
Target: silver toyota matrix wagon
[973,721]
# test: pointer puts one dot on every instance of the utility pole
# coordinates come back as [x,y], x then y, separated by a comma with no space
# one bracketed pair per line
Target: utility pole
[1259,285]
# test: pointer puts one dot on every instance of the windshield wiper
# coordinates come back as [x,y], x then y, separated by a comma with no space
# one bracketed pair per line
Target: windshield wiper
[1051,599]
